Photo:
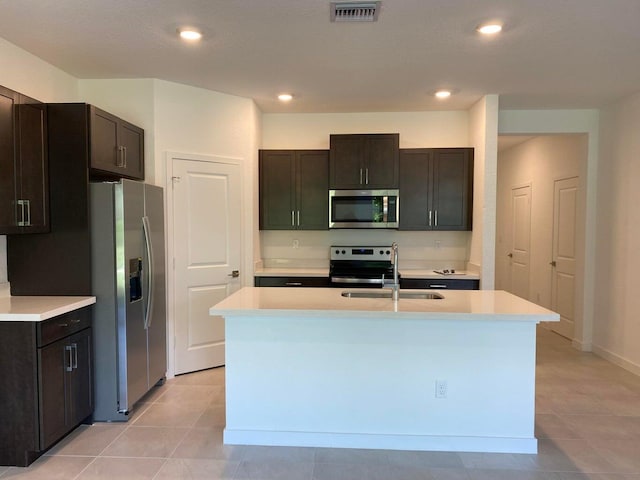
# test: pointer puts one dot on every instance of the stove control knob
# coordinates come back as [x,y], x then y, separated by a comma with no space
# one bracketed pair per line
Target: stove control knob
[343,252]
[388,252]
[337,252]
[381,252]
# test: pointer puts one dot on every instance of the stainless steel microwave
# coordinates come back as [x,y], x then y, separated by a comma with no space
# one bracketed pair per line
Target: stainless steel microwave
[363,208]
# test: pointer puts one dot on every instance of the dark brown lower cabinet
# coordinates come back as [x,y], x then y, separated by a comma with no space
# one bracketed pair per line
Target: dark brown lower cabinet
[440,284]
[65,374]
[45,383]
[292,282]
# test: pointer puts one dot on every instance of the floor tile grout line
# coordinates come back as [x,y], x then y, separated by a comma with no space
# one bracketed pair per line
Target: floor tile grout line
[179,443]
[166,460]
[85,468]
[117,437]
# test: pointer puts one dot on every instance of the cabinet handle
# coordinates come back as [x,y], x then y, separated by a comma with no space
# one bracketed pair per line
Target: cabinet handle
[74,348]
[429,217]
[360,176]
[298,217]
[366,176]
[25,218]
[436,217]
[119,156]
[20,203]
[293,284]
[124,157]
[69,367]
[75,321]
[63,325]
[293,218]
[437,286]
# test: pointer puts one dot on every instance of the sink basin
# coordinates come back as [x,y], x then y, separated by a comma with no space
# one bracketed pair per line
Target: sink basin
[387,294]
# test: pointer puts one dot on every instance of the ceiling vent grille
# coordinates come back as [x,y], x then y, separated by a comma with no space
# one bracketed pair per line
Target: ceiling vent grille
[355,11]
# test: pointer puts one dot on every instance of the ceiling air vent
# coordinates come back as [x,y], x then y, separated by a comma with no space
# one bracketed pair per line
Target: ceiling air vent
[354,11]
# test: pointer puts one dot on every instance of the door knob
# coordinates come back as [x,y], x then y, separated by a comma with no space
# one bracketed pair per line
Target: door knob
[510,255]
[234,273]
[552,263]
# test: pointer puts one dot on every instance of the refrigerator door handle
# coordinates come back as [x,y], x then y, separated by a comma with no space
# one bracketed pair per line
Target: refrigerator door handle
[148,312]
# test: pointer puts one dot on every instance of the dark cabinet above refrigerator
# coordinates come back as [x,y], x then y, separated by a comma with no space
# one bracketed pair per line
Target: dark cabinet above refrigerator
[117,146]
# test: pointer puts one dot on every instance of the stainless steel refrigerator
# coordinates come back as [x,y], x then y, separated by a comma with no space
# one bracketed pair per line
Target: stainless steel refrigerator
[128,276]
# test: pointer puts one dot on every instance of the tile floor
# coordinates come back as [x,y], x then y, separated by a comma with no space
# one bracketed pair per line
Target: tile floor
[587,423]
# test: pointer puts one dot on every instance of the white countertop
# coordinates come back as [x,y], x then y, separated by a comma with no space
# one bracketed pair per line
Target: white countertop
[328,302]
[37,308]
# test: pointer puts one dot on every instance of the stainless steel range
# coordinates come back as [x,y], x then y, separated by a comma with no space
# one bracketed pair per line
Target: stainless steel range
[361,266]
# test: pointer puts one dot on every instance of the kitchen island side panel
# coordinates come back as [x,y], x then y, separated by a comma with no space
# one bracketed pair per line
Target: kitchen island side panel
[362,383]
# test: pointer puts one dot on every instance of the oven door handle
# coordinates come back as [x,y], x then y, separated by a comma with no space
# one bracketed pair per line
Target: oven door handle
[376,281]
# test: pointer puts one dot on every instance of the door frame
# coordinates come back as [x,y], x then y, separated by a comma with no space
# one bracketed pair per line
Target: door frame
[169,160]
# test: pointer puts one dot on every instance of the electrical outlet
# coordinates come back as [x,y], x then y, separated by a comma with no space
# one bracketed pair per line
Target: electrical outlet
[437,243]
[441,389]
[296,243]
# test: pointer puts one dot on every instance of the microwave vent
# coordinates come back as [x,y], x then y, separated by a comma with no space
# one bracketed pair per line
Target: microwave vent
[355,11]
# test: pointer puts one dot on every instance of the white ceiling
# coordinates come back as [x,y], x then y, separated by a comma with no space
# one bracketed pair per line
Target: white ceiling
[552,54]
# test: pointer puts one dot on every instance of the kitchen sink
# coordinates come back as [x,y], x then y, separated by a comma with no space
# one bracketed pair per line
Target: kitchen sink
[387,294]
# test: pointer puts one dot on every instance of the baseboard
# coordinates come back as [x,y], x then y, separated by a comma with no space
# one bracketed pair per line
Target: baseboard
[582,346]
[616,359]
[382,441]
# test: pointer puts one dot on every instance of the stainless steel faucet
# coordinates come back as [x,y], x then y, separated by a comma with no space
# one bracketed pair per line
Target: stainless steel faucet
[395,286]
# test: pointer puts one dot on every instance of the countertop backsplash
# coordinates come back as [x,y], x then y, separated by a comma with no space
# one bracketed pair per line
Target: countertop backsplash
[418,250]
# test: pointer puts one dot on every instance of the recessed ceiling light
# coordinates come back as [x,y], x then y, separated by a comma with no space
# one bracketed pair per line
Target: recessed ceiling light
[443,93]
[190,34]
[285,97]
[490,28]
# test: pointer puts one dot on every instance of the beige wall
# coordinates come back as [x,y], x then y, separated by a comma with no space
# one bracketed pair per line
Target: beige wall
[616,334]
[192,120]
[26,73]
[527,122]
[538,162]
[416,129]
[484,137]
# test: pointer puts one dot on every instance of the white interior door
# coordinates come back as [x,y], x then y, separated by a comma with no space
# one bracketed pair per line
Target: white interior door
[565,199]
[207,252]
[520,250]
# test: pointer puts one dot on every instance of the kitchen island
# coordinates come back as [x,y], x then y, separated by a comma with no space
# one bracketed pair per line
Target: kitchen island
[314,368]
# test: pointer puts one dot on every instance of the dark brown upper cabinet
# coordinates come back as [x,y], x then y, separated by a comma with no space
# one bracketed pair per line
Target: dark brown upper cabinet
[364,161]
[294,187]
[24,182]
[436,188]
[117,146]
